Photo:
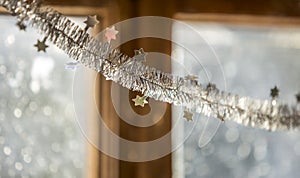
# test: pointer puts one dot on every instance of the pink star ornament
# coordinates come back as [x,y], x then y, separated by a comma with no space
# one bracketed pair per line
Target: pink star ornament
[111,33]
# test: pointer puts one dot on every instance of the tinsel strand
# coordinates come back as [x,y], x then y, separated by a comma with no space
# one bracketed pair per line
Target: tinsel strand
[134,75]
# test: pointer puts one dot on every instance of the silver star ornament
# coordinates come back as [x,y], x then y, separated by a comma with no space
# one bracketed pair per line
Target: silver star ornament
[140,55]
[41,45]
[91,22]
[188,116]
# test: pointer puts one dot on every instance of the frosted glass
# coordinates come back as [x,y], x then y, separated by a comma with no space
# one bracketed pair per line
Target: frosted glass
[39,136]
[253,60]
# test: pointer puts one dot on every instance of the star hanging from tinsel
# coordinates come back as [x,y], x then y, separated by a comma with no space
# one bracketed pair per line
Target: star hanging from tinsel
[140,55]
[298,97]
[91,21]
[41,45]
[110,33]
[274,92]
[71,65]
[188,116]
[140,100]
[21,26]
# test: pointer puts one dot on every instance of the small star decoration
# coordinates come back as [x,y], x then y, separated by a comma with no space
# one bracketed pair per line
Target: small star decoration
[111,33]
[274,92]
[140,55]
[188,116]
[298,97]
[41,46]
[91,22]
[21,26]
[140,100]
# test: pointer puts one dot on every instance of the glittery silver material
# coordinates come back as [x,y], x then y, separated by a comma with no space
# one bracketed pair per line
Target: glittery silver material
[134,75]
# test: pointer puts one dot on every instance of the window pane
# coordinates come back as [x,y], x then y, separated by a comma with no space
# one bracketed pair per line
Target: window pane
[254,59]
[39,136]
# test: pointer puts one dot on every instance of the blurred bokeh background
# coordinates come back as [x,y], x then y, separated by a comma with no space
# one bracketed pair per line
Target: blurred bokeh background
[255,46]
[253,59]
[39,136]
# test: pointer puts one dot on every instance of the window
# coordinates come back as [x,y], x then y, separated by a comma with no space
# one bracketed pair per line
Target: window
[39,134]
[37,115]
[234,151]
[253,58]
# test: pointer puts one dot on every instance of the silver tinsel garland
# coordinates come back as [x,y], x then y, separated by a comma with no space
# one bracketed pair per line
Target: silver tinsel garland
[134,75]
